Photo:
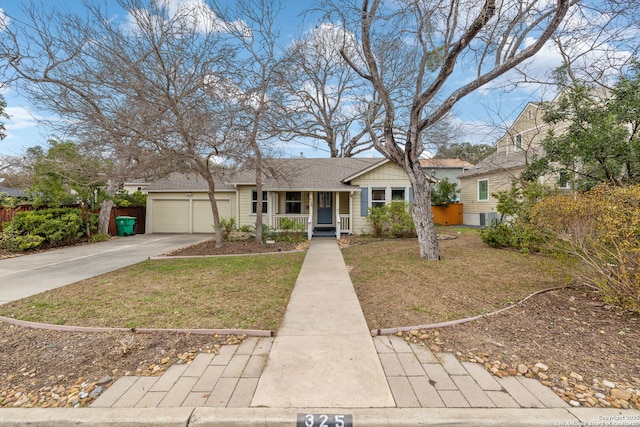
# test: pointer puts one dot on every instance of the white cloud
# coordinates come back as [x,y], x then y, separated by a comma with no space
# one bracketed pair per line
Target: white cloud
[19,118]
[196,15]
[4,20]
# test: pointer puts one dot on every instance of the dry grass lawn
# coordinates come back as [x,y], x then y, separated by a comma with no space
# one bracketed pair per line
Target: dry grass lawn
[396,288]
[248,292]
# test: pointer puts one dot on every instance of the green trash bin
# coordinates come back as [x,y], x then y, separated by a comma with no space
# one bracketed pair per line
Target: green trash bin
[125,225]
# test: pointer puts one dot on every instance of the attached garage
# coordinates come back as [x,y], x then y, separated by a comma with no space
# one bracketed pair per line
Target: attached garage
[202,216]
[186,216]
[170,216]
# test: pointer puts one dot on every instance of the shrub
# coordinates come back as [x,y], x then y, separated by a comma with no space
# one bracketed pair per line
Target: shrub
[391,220]
[123,199]
[497,235]
[444,193]
[101,237]
[51,227]
[602,228]
[292,231]
[514,229]
[227,226]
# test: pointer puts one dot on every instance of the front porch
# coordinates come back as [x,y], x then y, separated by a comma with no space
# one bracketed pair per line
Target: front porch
[316,213]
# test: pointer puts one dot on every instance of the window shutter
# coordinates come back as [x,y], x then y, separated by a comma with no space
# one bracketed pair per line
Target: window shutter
[364,201]
[410,195]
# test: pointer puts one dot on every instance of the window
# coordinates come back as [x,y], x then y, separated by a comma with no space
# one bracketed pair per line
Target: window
[517,141]
[397,195]
[254,201]
[378,197]
[483,190]
[563,179]
[293,202]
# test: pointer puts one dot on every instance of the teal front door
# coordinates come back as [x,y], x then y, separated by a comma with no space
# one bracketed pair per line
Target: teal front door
[325,207]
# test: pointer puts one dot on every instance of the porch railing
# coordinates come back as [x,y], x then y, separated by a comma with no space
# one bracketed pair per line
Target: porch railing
[345,224]
[302,221]
[299,220]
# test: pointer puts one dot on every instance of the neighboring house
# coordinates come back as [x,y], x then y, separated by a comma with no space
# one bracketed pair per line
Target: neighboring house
[496,172]
[329,195]
[13,192]
[136,185]
[446,168]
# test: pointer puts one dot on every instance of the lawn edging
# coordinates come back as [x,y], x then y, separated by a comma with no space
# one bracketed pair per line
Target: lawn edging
[391,331]
[88,329]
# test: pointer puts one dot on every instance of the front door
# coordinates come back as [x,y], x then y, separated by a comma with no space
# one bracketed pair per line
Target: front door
[325,207]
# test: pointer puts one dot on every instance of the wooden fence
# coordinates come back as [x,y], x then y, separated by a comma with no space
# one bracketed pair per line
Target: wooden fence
[138,212]
[450,215]
[7,214]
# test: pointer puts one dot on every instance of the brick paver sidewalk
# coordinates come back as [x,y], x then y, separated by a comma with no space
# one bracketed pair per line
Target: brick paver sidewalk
[417,378]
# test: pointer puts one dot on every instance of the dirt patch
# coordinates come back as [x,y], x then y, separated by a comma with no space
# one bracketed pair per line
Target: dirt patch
[586,351]
[67,369]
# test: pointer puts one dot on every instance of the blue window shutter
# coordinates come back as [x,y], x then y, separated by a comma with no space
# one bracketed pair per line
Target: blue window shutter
[364,201]
[410,195]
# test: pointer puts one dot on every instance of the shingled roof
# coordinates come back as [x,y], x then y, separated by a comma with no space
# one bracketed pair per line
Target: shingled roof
[327,174]
[12,192]
[499,162]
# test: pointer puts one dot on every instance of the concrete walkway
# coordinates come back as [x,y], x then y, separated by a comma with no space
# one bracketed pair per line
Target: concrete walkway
[323,355]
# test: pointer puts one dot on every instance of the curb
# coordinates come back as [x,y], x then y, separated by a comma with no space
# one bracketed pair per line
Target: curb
[273,417]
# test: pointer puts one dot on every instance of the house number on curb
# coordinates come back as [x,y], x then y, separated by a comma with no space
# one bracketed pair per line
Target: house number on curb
[324,420]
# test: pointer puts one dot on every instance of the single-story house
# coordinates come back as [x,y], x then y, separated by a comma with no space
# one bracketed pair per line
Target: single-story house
[325,195]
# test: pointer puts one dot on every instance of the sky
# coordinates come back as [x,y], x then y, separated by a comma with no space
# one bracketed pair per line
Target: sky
[482,115]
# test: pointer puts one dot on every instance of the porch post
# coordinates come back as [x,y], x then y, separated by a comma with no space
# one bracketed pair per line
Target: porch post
[271,206]
[337,215]
[310,217]
[351,212]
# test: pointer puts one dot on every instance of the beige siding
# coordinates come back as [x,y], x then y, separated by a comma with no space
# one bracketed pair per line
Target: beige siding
[498,181]
[531,128]
[244,206]
[387,176]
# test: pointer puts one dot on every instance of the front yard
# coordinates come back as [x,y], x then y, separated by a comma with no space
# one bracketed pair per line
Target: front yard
[577,337]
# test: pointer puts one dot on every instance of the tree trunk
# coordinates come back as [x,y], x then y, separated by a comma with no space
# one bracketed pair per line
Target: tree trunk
[214,210]
[104,217]
[422,215]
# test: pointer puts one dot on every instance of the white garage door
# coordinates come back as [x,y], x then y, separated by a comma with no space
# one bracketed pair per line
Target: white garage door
[170,216]
[203,218]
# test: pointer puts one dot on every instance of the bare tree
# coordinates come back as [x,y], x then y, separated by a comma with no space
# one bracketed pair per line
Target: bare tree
[426,41]
[253,25]
[323,100]
[157,83]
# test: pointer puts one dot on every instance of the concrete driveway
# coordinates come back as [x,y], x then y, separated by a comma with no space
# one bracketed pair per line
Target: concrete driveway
[32,274]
